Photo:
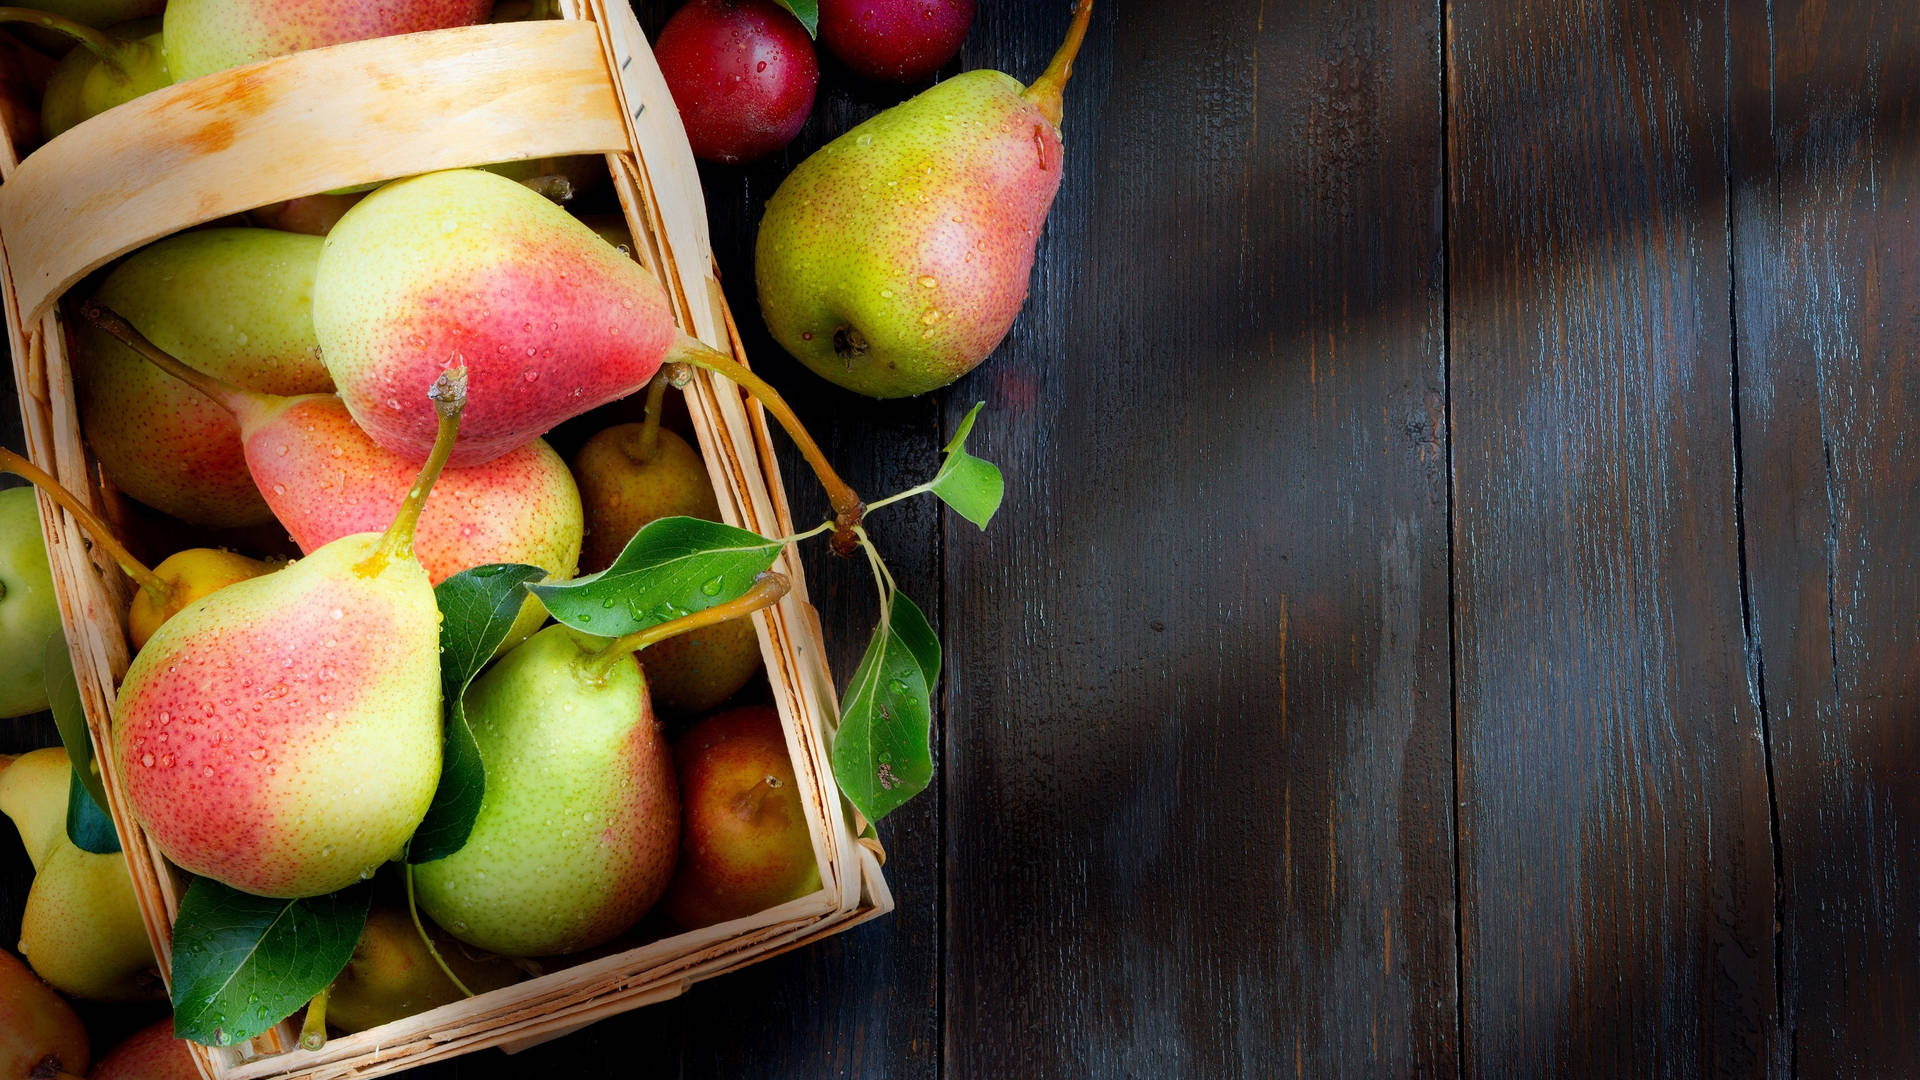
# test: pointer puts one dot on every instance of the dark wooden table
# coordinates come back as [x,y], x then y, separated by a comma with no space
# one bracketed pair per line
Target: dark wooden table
[1457,605]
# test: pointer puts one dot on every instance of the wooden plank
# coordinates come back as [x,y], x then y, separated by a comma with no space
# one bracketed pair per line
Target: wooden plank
[1826,224]
[1198,776]
[1615,853]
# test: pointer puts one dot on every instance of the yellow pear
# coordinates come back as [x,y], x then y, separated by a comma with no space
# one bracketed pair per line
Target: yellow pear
[81,931]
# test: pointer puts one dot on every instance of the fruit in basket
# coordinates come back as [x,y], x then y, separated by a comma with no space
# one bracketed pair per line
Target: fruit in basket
[33,795]
[204,36]
[233,303]
[895,40]
[896,258]
[392,975]
[282,736]
[628,478]
[465,266]
[324,479]
[28,613]
[577,831]
[81,930]
[187,575]
[632,474]
[743,74]
[744,841]
[152,1053]
[104,70]
[39,1034]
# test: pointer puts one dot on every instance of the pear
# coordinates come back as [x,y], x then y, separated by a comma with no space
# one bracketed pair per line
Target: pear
[182,578]
[233,303]
[896,257]
[152,1053]
[577,831]
[102,71]
[204,36]
[33,793]
[282,735]
[744,841]
[548,318]
[324,479]
[39,1034]
[392,975]
[29,614]
[632,474]
[97,12]
[82,930]
[186,576]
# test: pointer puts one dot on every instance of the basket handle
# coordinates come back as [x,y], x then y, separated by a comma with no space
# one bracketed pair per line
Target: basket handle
[314,121]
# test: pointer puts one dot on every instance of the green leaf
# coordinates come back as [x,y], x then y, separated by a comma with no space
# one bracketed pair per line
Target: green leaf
[63,698]
[808,12]
[88,825]
[674,566]
[477,608]
[243,963]
[971,486]
[881,756]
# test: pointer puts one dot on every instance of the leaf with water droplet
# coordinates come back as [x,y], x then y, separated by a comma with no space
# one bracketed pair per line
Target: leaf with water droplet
[881,754]
[971,486]
[89,825]
[664,573]
[243,963]
[477,608]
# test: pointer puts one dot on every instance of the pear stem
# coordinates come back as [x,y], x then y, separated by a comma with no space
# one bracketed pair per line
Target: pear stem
[313,1031]
[449,397]
[1048,90]
[847,507]
[95,528]
[648,443]
[103,45]
[767,590]
[426,939]
[234,399]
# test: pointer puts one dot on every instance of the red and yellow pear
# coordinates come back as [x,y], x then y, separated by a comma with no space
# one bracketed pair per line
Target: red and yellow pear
[282,735]
[204,36]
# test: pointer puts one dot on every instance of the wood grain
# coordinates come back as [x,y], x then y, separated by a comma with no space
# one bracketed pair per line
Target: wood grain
[1616,875]
[1198,767]
[1827,167]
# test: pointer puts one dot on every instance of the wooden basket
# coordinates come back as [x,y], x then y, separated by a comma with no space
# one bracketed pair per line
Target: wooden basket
[355,114]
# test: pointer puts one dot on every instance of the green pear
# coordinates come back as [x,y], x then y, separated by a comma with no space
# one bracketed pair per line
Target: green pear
[102,71]
[82,930]
[577,831]
[152,1053]
[233,303]
[744,841]
[39,1034]
[392,975]
[282,735]
[204,36]
[29,616]
[896,257]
